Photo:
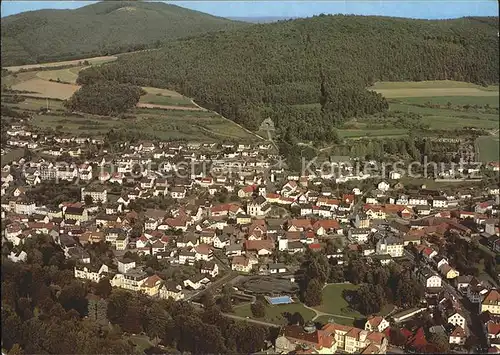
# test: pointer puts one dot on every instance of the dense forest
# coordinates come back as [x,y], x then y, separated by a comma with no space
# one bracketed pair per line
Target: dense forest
[46,311]
[309,75]
[105,98]
[100,29]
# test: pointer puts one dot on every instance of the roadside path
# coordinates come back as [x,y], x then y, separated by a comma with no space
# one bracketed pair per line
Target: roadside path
[232,316]
[319,314]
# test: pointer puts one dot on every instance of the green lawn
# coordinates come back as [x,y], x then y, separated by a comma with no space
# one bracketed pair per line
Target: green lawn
[432,84]
[334,303]
[274,314]
[489,147]
[338,320]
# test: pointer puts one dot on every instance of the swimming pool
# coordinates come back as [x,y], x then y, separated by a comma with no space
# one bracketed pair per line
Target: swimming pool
[279,300]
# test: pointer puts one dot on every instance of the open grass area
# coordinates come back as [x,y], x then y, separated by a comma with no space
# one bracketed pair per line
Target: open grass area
[93,61]
[334,302]
[439,118]
[489,148]
[45,88]
[160,99]
[32,103]
[68,75]
[338,320]
[165,125]
[274,314]
[491,100]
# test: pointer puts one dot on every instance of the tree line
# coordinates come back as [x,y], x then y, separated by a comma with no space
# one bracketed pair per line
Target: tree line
[248,74]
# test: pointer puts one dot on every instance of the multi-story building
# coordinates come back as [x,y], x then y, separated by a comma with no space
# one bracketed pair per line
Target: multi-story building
[98,193]
[132,280]
[171,290]
[390,245]
[91,272]
[428,278]
[354,340]
[491,302]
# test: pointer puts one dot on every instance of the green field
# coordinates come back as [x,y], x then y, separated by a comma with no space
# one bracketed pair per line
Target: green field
[454,100]
[274,314]
[35,104]
[166,100]
[162,124]
[334,302]
[489,148]
[439,118]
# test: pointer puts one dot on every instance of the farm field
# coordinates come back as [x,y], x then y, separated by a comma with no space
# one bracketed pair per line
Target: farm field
[93,61]
[274,314]
[200,126]
[439,118]
[163,99]
[491,100]
[44,88]
[334,302]
[489,148]
[68,75]
[433,88]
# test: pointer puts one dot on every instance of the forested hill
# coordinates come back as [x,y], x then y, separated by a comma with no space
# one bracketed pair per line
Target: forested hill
[99,29]
[266,70]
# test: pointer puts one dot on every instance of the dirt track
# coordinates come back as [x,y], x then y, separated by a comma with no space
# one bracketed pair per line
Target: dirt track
[169,107]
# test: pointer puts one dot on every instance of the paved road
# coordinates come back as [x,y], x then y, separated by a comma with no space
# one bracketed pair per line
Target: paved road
[232,316]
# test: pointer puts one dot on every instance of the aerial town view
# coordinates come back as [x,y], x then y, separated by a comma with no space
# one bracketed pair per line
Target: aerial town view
[266,177]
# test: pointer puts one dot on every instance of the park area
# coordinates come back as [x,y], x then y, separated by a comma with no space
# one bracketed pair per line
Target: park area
[489,148]
[275,313]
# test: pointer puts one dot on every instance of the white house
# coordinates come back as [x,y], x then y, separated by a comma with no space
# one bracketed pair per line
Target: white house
[376,324]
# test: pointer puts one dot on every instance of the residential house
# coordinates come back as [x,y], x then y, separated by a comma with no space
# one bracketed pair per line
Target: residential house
[390,245]
[258,207]
[151,286]
[376,324]
[491,302]
[210,268]
[171,290]
[428,278]
[241,264]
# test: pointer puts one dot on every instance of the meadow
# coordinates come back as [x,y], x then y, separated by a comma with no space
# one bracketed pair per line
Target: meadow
[203,126]
[76,62]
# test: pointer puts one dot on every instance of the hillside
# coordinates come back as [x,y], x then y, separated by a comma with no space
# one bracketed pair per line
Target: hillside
[285,70]
[99,29]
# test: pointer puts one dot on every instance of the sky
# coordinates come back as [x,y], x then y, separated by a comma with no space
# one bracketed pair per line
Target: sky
[425,9]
